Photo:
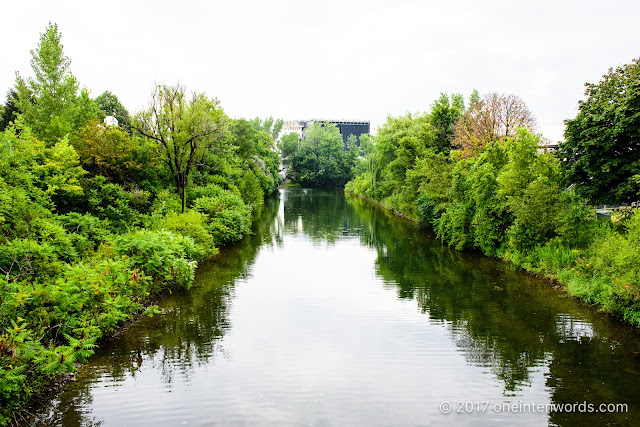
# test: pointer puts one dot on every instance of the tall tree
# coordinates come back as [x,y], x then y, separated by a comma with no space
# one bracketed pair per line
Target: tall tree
[49,103]
[111,152]
[444,114]
[288,146]
[184,128]
[9,111]
[244,135]
[269,125]
[111,106]
[602,147]
[495,117]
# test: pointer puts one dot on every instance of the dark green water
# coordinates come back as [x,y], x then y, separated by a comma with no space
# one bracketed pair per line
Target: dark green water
[337,313]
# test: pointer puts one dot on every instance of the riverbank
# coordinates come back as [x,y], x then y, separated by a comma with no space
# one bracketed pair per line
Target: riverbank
[56,383]
[58,322]
[575,271]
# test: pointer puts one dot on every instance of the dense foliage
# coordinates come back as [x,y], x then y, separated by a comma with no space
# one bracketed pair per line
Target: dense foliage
[499,193]
[602,145]
[320,158]
[95,221]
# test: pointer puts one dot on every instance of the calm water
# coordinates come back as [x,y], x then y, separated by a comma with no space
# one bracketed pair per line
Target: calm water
[336,313]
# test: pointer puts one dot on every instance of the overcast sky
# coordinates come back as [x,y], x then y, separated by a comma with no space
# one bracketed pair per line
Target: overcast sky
[333,59]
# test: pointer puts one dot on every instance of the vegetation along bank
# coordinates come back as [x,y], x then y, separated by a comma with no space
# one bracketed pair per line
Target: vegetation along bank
[97,219]
[482,179]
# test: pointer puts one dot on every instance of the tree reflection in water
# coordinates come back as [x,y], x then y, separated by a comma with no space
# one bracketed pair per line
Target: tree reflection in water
[514,326]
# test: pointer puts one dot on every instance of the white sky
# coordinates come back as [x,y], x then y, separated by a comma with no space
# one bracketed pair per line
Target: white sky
[333,59]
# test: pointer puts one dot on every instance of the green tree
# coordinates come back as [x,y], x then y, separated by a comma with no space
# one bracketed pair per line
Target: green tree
[244,137]
[366,144]
[49,103]
[254,150]
[269,125]
[184,128]
[111,152]
[444,114]
[399,143]
[530,186]
[321,160]
[288,146]
[111,106]
[602,147]
[9,110]
[352,149]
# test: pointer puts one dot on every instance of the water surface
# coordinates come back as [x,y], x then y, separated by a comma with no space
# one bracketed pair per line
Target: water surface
[335,312]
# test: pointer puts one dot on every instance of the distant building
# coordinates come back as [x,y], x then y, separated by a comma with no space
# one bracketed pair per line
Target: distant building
[546,146]
[292,126]
[110,121]
[346,127]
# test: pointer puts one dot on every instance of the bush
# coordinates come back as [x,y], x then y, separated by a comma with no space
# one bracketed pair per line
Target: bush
[453,225]
[426,207]
[110,201]
[86,231]
[51,231]
[616,255]
[140,199]
[191,224]
[575,220]
[49,326]
[163,255]
[27,259]
[553,257]
[251,192]
[229,219]
[166,202]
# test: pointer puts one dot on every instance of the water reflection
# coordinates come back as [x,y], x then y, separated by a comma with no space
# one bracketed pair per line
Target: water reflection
[510,322]
[337,312]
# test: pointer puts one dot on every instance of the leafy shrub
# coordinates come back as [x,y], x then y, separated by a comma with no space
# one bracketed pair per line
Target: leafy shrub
[51,231]
[229,219]
[209,190]
[250,190]
[110,201]
[87,231]
[166,202]
[18,210]
[191,224]
[46,327]
[360,185]
[140,199]
[163,255]
[575,220]
[616,255]
[553,257]
[453,225]
[27,259]
[426,208]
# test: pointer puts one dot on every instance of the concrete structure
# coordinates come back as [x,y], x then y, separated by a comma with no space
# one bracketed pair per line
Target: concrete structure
[546,146]
[292,126]
[346,127]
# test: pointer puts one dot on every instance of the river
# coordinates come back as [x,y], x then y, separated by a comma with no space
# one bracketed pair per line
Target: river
[336,312]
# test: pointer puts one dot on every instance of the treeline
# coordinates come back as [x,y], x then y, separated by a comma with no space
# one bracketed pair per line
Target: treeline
[96,219]
[481,178]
